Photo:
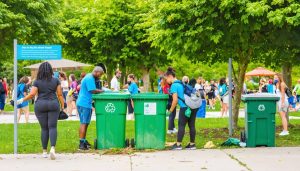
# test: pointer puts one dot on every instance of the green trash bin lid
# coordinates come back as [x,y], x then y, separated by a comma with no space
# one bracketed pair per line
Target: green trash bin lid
[260,97]
[111,96]
[151,96]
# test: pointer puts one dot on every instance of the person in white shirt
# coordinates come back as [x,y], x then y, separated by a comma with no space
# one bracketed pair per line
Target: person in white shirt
[115,84]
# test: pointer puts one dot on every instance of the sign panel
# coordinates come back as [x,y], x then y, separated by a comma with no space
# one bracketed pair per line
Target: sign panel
[150,108]
[39,52]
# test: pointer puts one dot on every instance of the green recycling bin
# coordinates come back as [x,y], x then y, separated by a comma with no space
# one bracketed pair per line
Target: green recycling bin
[260,110]
[150,120]
[111,109]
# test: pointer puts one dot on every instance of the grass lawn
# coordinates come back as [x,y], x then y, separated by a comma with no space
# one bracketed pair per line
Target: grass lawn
[297,114]
[10,108]
[210,129]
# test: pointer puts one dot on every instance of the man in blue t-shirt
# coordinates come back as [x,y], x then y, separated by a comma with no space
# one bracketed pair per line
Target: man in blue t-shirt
[133,89]
[84,104]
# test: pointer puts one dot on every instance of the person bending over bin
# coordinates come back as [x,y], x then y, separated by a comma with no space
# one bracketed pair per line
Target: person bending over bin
[84,104]
[185,117]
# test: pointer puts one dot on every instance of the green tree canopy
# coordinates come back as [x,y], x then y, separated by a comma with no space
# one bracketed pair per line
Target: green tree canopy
[30,22]
[214,30]
[109,32]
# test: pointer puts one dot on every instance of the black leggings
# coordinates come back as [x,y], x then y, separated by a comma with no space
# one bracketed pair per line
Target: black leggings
[47,113]
[172,117]
[183,120]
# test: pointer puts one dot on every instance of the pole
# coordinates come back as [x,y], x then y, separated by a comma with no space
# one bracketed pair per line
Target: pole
[230,96]
[15,98]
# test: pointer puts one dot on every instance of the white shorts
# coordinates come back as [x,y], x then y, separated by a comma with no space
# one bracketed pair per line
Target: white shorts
[225,99]
[284,108]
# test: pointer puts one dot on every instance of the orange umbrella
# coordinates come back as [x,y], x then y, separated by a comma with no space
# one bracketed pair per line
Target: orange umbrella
[260,71]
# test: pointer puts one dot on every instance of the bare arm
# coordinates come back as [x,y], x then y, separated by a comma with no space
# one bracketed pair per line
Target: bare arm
[125,86]
[32,94]
[282,90]
[97,91]
[174,102]
[60,96]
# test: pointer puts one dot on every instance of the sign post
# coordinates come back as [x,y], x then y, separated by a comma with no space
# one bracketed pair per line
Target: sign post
[15,97]
[30,52]
[230,96]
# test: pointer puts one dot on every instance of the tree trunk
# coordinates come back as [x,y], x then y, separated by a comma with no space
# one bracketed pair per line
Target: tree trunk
[109,75]
[152,85]
[124,73]
[146,79]
[239,79]
[287,73]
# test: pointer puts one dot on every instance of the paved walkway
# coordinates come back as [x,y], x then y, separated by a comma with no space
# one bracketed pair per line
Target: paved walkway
[9,118]
[256,159]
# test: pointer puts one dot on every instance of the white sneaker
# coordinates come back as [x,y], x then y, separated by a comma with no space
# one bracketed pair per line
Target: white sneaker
[170,132]
[45,155]
[175,131]
[52,153]
[284,133]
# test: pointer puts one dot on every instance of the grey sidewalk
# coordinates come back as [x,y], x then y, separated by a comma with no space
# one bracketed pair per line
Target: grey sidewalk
[256,159]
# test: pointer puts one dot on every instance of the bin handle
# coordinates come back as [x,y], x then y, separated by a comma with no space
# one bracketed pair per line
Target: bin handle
[273,121]
[250,121]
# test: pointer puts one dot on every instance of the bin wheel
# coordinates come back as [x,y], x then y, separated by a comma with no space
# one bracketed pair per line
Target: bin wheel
[127,142]
[243,136]
[95,144]
[132,143]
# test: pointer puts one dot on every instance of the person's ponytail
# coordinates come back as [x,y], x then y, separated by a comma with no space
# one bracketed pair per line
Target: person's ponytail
[170,71]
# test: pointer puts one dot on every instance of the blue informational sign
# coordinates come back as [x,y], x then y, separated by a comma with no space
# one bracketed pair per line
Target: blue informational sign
[39,52]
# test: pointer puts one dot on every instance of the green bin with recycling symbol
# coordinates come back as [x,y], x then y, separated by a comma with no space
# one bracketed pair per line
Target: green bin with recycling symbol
[111,109]
[260,110]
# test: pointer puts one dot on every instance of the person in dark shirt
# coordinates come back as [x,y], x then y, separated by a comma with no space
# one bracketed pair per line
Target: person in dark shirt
[49,103]
[211,95]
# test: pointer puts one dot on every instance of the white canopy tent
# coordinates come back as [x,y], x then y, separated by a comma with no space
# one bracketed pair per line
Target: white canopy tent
[58,65]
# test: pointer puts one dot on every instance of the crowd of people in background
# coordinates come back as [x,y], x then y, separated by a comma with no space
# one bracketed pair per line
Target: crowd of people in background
[54,91]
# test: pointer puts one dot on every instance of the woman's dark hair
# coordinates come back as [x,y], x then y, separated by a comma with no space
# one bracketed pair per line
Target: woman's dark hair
[45,72]
[63,75]
[222,81]
[170,71]
[193,82]
[102,66]
[72,76]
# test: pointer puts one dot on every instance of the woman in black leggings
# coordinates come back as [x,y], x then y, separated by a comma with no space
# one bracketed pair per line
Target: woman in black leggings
[177,91]
[48,105]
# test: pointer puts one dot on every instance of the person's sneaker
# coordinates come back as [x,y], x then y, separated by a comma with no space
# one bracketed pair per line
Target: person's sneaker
[191,147]
[176,147]
[175,131]
[88,145]
[45,155]
[52,153]
[170,132]
[284,133]
[82,146]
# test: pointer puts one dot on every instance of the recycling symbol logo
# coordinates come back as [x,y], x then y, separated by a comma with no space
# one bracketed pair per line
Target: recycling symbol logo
[261,108]
[110,108]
